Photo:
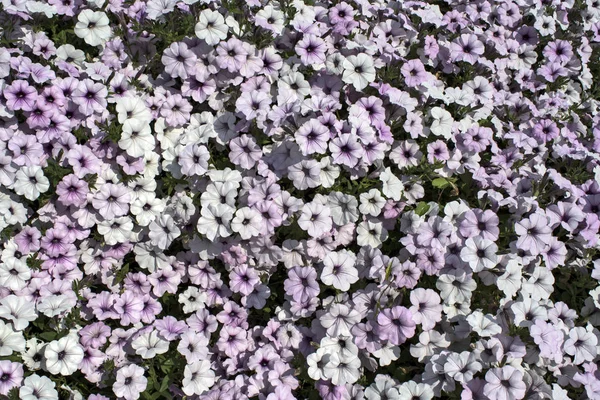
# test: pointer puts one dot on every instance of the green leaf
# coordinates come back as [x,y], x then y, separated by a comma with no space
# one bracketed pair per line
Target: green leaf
[34,262]
[48,336]
[14,394]
[422,208]
[147,396]
[120,275]
[388,271]
[440,183]
[164,385]
[165,367]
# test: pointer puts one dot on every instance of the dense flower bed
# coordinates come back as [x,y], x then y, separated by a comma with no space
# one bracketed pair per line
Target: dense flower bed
[299,200]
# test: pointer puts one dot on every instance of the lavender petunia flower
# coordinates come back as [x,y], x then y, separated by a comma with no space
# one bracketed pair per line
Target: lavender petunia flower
[395,325]
[20,96]
[11,376]
[179,60]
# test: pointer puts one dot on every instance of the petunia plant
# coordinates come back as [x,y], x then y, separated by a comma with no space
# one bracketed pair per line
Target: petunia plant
[278,200]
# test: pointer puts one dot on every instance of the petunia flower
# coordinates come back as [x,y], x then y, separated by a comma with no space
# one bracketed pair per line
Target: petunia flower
[179,60]
[395,325]
[211,27]
[31,182]
[315,219]
[11,376]
[36,387]
[63,356]
[479,253]
[342,368]
[311,50]
[466,48]
[163,231]
[198,378]
[130,382]
[149,344]
[17,310]
[93,27]
[359,70]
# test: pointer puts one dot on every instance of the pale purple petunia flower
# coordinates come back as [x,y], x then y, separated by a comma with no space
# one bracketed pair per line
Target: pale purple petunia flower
[312,137]
[20,96]
[311,49]
[128,308]
[395,325]
[414,73]
[467,48]
[302,283]
[179,61]
[534,233]
[345,150]
[11,376]
[90,96]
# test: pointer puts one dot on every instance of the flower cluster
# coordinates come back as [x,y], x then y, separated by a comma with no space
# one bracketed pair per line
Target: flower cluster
[278,200]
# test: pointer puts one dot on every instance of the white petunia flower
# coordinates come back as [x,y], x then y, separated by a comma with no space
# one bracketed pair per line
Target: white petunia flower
[10,340]
[392,186]
[510,282]
[93,27]
[130,382]
[371,203]
[371,233]
[40,7]
[339,270]
[387,354]
[413,390]
[540,285]
[18,310]
[32,358]
[132,108]
[163,231]
[339,320]
[359,70]
[157,9]
[63,356]
[215,221]
[582,344]
[211,27]
[315,219]
[442,122]
[344,208]
[149,344]
[56,304]
[146,210]
[192,299]
[479,253]
[198,378]
[484,324]
[30,182]
[37,387]
[316,363]
[14,274]
[115,231]
[342,368]
[136,138]
[247,222]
